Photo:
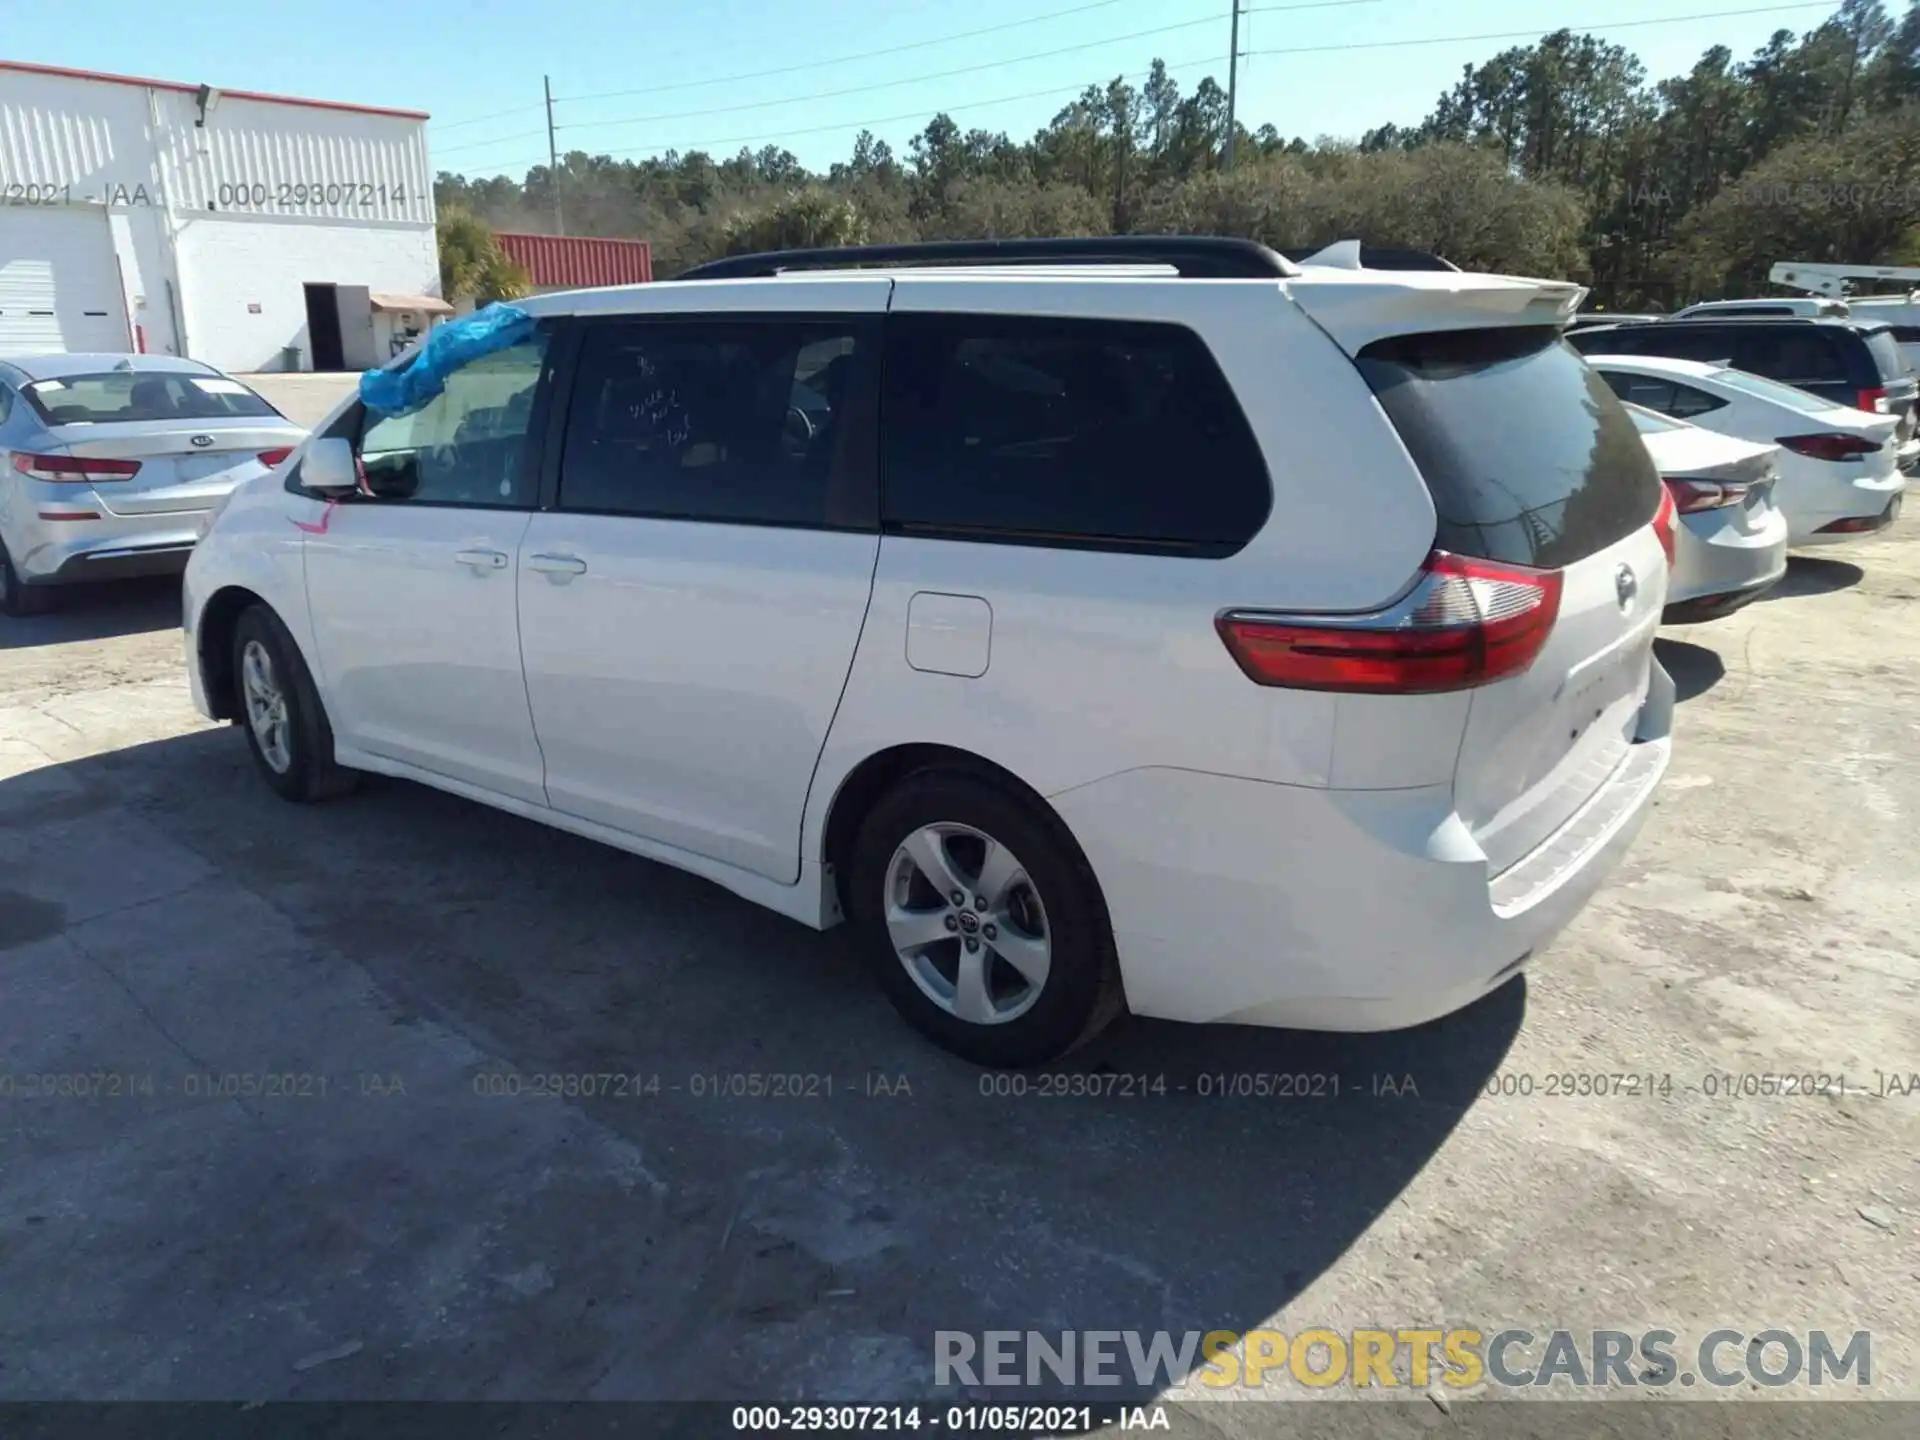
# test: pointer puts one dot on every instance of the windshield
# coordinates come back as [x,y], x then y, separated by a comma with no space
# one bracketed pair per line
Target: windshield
[1762,388]
[129,397]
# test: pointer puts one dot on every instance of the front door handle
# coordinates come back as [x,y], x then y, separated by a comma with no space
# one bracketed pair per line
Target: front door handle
[481,559]
[557,564]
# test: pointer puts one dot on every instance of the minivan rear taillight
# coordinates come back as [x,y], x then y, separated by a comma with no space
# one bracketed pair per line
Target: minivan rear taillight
[1466,622]
[1829,445]
[1664,521]
[1873,398]
[73,469]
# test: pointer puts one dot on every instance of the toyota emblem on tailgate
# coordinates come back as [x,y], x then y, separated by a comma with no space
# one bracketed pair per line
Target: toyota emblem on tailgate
[201,440]
[1625,586]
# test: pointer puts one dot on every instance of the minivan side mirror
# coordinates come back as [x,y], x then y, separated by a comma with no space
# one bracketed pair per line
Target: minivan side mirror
[329,466]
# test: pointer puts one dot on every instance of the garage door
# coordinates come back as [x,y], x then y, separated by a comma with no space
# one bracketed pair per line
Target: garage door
[59,283]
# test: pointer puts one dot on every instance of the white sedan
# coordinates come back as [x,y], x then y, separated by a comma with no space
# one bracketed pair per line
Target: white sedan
[1839,471]
[1730,546]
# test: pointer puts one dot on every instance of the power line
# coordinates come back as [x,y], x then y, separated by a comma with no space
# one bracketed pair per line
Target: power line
[477,119]
[903,80]
[496,140]
[705,144]
[998,64]
[1252,10]
[1537,32]
[909,115]
[842,59]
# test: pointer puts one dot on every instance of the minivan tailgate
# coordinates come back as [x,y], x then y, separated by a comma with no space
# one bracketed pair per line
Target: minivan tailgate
[1539,744]
[1532,462]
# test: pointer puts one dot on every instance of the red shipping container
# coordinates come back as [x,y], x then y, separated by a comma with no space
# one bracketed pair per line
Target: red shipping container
[576,263]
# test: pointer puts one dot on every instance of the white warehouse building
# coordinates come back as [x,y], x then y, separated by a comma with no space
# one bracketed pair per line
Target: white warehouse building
[254,232]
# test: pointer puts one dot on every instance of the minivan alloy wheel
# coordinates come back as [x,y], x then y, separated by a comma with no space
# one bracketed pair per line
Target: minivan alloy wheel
[967,923]
[266,706]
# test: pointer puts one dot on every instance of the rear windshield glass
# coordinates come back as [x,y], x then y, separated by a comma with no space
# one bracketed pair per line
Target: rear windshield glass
[1762,388]
[1887,354]
[1529,456]
[123,397]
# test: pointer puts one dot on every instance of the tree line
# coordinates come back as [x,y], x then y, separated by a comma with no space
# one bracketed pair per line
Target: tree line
[1557,158]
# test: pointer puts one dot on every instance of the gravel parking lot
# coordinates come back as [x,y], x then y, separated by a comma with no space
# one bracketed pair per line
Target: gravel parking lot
[395,1223]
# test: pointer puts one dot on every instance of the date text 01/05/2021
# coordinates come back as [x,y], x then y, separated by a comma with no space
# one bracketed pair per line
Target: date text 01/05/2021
[961,1419]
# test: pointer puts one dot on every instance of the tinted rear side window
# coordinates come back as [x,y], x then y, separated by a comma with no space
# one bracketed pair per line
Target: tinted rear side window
[1887,355]
[1798,354]
[1080,433]
[722,419]
[1529,457]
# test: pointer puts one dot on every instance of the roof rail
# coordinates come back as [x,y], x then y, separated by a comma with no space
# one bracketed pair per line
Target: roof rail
[1193,257]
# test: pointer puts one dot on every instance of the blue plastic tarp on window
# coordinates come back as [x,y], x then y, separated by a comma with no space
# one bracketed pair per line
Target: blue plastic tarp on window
[402,389]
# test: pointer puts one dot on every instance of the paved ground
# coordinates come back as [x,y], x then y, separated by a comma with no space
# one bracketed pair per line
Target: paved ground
[410,1232]
[302,397]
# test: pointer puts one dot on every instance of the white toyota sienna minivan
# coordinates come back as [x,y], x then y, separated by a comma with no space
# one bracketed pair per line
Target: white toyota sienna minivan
[1142,623]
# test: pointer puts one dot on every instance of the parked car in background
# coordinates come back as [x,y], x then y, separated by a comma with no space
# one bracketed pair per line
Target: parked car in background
[1899,313]
[1588,318]
[1730,546]
[1788,305]
[1844,361]
[1838,475]
[1041,650]
[110,464]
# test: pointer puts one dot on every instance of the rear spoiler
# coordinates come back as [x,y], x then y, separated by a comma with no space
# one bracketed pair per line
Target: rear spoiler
[1358,307]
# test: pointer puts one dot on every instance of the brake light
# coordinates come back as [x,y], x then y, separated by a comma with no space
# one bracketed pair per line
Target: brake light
[1465,623]
[1690,497]
[271,458]
[73,469]
[1832,445]
[1873,398]
[1663,522]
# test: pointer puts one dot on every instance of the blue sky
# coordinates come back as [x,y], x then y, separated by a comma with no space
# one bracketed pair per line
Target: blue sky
[636,78]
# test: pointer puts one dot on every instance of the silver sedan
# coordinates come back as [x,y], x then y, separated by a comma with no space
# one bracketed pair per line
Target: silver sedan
[110,464]
[1730,545]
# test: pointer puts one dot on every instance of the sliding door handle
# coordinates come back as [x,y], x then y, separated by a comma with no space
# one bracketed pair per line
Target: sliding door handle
[557,565]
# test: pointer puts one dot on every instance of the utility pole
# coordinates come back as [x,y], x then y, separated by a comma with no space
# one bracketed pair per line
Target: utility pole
[553,157]
[1233,81]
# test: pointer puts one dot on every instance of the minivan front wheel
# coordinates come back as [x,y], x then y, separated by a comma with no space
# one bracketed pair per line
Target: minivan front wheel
[982,921]
[280,711]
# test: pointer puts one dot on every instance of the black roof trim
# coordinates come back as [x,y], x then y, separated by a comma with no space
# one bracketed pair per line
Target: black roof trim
[1194,257]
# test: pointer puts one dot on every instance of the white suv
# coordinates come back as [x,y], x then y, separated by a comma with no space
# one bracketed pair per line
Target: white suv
[1148,624]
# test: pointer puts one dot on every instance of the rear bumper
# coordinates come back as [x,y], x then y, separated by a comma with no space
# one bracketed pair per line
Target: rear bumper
[1865,499]
[66,552]
[1697,609]
[1718,565]
[1843,528]
[1254,903]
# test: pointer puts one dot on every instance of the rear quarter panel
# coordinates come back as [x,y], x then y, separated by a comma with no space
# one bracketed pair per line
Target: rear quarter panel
[1103,662]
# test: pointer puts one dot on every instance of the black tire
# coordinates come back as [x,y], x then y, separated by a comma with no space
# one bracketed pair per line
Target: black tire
[1081,992]
[18,599]
[309,772]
